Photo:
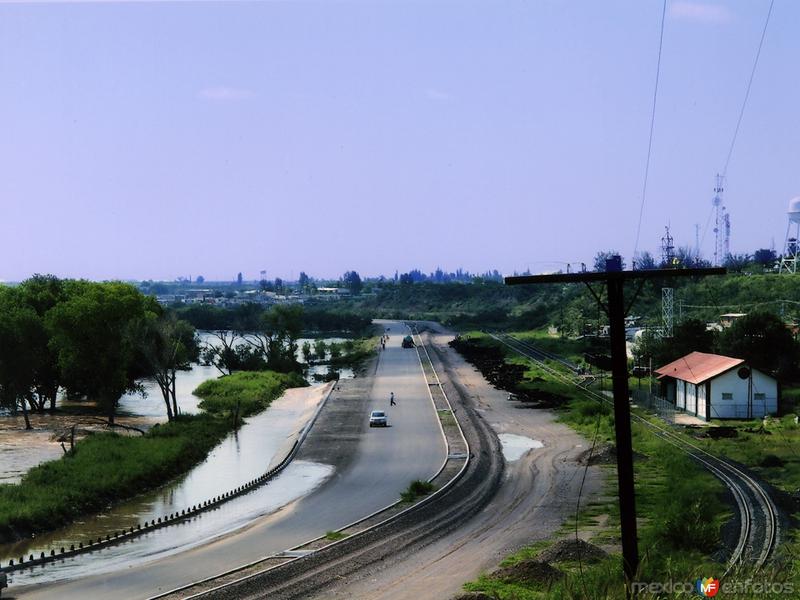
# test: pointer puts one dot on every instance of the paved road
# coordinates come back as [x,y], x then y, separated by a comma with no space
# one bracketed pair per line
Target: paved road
[537,496]
[373,465]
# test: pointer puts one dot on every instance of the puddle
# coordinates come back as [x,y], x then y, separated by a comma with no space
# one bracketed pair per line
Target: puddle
[514,446]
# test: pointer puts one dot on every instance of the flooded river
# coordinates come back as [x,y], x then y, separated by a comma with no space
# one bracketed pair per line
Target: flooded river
[22,450]
[241,457]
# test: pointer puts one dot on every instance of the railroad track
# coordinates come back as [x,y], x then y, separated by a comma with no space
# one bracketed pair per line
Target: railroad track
[423,523]
[759,530]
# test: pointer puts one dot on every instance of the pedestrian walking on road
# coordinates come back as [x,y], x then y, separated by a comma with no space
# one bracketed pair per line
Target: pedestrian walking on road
[391,400]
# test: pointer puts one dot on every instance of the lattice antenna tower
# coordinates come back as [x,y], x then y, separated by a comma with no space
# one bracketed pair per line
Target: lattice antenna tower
[668,261]
[719,221]
[667,249]
[667,314]
[726,235]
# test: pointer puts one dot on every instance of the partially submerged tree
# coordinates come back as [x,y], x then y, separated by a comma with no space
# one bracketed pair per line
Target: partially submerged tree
[42,293]
[17,358]
[168,345]
[220,350]
[94,333]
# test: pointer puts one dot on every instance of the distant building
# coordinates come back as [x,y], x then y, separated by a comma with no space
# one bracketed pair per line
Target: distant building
[712,386]
[727,319]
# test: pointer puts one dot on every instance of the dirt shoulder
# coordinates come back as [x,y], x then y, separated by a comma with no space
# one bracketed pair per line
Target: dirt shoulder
[535,499]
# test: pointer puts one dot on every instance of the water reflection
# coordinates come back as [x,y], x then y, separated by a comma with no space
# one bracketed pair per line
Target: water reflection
[22,450]
[300,478]
[239,458]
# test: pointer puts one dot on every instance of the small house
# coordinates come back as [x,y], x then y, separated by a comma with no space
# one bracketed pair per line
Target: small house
[712,386]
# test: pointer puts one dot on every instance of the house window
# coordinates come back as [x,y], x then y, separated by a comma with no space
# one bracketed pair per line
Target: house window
[727,396]
[759,396]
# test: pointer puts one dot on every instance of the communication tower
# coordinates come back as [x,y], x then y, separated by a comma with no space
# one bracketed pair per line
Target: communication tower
[667,311]
[719,222]
[791,248]
[726,235]
[667,249]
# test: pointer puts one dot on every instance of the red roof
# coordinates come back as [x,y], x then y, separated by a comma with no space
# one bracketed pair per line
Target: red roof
[698,367]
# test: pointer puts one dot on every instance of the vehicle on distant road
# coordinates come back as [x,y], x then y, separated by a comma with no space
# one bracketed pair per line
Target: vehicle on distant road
[377,418]
[408,342]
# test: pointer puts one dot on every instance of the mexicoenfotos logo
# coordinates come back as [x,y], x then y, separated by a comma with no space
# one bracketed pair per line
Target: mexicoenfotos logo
[707,587]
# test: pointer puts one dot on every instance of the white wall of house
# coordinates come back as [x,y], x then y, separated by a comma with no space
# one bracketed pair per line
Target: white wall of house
[691,398]
[680,395]
[729,395]
[701,400]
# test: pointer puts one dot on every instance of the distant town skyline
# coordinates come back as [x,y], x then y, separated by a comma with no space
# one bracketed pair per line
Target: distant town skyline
[152,140]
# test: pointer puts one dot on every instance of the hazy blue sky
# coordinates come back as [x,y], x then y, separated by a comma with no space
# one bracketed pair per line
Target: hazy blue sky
[152,140]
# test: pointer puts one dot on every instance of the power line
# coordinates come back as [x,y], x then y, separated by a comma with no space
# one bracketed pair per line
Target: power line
[652,124]
[747,92]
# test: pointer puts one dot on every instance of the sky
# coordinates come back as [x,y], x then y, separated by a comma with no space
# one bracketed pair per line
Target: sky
[154,140]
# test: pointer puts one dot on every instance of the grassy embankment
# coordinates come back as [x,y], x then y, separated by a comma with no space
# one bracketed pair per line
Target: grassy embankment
[355,353]
[107,467]
[681,507]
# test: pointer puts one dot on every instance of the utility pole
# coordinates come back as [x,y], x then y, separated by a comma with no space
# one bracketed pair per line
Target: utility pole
[614,279]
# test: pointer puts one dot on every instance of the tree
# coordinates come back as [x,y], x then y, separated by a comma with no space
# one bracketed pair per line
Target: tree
[352,280]
[41,293]
[320,349]
[17,357]
[239,279]
[200,279]
[221,353]
[168,345]
[736,262]
[764,341]
[765,257]
[279,285]
[335,350]
[601,257]
[306,351]
[645,262]
[94,334]
[274,342]
[303,280]
[688,336]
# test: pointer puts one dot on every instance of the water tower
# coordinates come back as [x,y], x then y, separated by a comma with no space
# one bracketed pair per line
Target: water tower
[791,248]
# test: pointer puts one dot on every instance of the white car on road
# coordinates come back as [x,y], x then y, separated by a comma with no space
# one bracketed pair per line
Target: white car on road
[377,418]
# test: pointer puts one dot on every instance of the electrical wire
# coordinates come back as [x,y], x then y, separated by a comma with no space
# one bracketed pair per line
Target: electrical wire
[652,125]
[747,92]
[580,494]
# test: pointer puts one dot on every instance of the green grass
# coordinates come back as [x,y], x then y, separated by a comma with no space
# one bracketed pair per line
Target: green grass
[335,536]
[252,391]
[356,352]
[681,507]
[416,489]
[107,467]
[447,418]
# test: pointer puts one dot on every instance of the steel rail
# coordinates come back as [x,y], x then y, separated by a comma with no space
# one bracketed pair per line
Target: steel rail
[741,484]
[426,500]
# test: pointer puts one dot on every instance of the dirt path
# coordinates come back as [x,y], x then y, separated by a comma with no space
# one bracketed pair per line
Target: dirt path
[537,496]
